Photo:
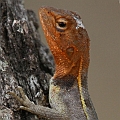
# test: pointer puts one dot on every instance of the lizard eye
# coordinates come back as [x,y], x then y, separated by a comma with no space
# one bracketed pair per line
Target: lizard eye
[61,24]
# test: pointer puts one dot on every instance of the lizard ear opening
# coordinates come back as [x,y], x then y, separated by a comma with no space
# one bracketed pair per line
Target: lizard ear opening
[70,52]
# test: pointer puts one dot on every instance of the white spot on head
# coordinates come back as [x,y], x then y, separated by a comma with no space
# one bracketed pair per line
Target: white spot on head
[79,22]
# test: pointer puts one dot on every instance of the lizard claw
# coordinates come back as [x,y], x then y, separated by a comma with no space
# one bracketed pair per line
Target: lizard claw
[23,100]
[24,97]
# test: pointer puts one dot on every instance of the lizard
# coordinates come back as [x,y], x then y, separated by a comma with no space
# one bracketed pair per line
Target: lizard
[69,43]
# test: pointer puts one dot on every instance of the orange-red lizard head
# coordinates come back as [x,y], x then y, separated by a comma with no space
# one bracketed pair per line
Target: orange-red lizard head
[68,40]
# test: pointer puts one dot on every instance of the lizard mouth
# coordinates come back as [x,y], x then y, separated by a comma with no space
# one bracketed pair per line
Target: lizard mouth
[47,21]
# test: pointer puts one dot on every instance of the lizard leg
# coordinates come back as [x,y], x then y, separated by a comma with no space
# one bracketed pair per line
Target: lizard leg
[24,99]
[38,110]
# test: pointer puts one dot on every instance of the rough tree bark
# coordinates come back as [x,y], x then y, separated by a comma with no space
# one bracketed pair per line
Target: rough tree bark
[24,60]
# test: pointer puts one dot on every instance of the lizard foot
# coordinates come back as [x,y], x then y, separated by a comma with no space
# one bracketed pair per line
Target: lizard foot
[27,104]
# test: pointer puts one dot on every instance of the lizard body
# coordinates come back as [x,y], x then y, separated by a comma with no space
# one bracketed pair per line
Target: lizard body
[69,43]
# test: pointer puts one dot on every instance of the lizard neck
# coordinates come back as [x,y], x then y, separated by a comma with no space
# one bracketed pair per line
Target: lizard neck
[69,61]
[75,96]
[77,76]
[66,68]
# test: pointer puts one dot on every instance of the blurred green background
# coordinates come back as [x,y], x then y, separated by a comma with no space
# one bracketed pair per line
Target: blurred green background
[102,21]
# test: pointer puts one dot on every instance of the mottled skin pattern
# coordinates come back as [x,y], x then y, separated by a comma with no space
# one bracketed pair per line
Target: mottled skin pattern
[69,43]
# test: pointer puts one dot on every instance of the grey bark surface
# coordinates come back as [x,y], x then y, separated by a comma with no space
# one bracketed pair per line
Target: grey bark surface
[24,60]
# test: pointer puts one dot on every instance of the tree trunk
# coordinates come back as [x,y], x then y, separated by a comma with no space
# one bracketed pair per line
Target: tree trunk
[24,60]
